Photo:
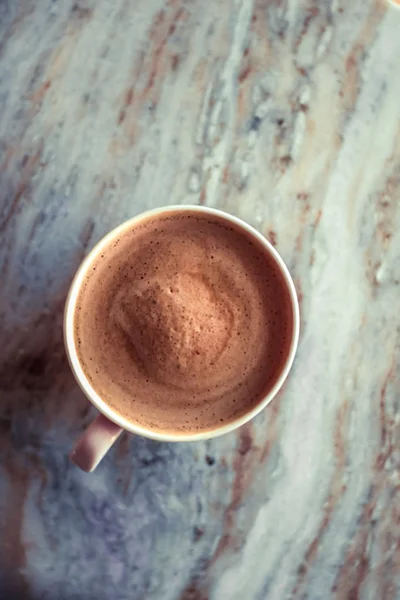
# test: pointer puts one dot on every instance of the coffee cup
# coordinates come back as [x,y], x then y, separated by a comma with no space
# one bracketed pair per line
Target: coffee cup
[105,429]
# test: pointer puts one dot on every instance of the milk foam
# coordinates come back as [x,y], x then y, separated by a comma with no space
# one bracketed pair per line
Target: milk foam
[183,323]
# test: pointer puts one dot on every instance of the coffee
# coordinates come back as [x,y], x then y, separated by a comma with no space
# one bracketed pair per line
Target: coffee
[183,323]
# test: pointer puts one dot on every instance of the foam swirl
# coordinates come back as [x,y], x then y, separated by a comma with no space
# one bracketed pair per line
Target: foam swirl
[183,323]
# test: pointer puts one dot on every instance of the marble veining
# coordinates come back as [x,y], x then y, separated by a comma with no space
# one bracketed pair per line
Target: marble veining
[285,113]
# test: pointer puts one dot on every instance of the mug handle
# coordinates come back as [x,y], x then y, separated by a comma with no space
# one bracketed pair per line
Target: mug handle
[94,443]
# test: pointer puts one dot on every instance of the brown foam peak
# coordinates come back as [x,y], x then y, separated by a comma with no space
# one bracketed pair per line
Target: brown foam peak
[179,326]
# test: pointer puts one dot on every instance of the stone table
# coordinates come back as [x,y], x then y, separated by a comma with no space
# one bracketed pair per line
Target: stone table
[287,114]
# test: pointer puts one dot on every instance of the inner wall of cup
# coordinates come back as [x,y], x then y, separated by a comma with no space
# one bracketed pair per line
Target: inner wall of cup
[73,295]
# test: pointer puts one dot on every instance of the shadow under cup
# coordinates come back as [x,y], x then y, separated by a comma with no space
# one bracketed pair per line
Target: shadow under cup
[270,377]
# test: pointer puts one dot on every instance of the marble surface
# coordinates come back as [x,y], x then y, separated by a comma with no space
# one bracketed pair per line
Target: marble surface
[287,114]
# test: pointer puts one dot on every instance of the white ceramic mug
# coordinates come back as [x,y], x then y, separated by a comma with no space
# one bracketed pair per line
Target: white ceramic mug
[102,433]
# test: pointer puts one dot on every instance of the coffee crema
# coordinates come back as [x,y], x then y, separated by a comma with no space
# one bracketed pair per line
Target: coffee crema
[183,323]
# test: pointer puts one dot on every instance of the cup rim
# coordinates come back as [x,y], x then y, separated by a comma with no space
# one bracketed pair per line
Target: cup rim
[69,338]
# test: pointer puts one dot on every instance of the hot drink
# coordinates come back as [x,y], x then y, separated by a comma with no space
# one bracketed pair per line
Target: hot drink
[184,322]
